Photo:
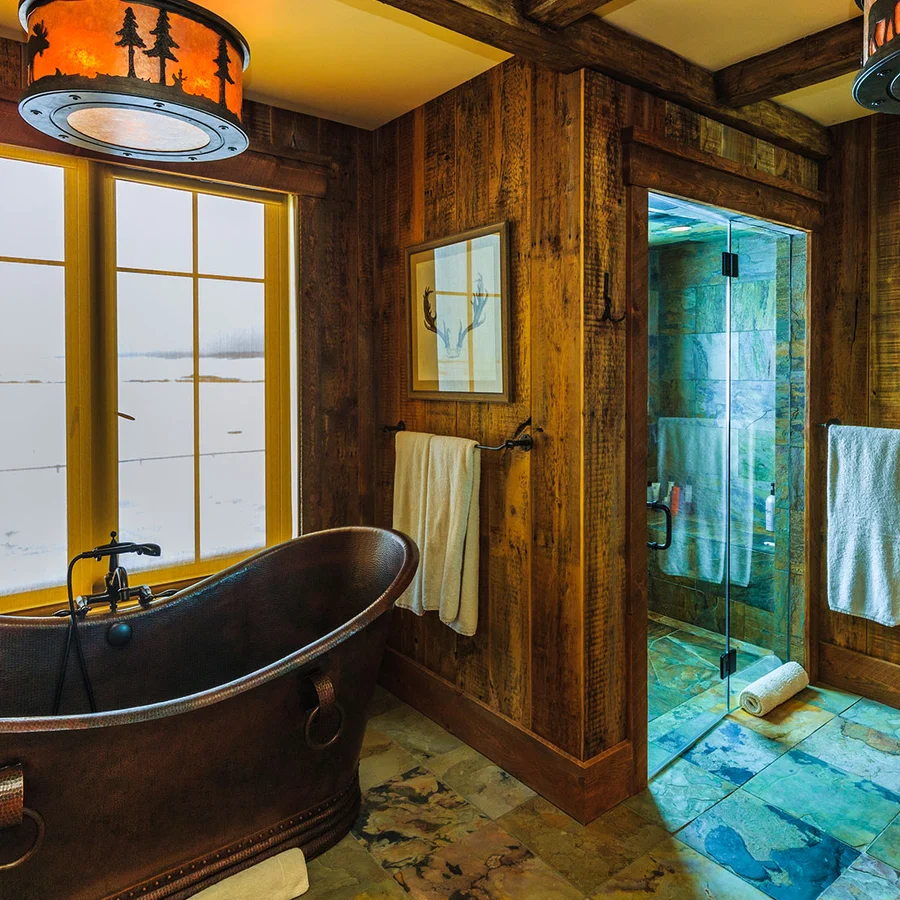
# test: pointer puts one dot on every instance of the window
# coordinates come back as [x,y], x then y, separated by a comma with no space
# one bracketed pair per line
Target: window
[149,393]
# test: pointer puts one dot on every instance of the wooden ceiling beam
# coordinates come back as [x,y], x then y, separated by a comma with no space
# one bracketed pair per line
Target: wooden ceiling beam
[560,13]
[811,60]
[592,43]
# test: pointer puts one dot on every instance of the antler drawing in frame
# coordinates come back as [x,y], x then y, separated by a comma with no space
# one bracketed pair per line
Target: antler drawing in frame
[442,329]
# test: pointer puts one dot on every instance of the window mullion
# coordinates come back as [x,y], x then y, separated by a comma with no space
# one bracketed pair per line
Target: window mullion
[196,270]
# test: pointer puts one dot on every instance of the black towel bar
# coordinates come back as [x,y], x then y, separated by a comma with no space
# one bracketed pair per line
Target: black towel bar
[518,442]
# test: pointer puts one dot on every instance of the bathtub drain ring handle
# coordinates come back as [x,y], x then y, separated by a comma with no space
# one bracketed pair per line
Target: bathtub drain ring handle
[328,705]
[13,811]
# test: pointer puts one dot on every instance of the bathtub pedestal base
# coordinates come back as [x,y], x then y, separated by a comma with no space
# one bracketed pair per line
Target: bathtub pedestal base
[313,831]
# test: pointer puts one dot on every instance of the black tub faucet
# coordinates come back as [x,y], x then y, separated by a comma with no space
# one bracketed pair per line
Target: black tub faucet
[116,579]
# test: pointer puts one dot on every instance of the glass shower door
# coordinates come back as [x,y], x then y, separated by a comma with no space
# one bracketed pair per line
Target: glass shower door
[688,476]
[760,299]
[726,457]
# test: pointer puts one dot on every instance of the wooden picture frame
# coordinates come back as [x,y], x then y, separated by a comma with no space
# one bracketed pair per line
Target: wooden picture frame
[458,328]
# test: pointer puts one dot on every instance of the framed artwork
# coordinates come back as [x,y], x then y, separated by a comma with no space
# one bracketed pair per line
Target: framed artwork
[458,292]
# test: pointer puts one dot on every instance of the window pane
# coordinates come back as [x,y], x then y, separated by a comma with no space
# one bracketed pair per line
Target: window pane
[33,437]
[231,235]
[232,417]
[154,227]
[156,387]
[232,503]
[36,193]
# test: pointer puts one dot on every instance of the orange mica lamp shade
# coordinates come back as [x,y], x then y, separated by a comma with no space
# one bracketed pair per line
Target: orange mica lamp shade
[877,86]
[157,81]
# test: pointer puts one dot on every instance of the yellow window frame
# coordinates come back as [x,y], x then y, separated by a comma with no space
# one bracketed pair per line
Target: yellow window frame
[92,368]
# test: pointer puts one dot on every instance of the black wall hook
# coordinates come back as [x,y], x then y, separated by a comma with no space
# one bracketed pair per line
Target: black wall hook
[607,303]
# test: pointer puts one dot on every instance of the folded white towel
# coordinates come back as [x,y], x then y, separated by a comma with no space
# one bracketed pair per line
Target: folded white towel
[437,504]
[761,697]
[864,523]
[282,877]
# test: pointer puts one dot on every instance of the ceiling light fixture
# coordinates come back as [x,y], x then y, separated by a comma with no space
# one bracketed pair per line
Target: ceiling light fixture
[159,81]
[877,87]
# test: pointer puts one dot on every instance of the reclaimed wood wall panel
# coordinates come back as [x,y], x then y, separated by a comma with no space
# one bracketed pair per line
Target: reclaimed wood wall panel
[605,404]
[335,251]
[860,374]
[557,688]
[464,160]
[839,358]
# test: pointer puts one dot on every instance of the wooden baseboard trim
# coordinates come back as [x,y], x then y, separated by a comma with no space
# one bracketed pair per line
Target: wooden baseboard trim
[867,676]
[583,789]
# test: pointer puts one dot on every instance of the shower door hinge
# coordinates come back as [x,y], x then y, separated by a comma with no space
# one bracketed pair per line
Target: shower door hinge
[730,266]
[728,663]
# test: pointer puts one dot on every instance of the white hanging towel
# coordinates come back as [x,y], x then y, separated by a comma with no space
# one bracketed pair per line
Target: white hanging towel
[410,495]
[864,523]
[447,489]
[692,451]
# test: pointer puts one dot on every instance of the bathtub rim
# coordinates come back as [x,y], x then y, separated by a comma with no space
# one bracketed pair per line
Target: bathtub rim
[202,699]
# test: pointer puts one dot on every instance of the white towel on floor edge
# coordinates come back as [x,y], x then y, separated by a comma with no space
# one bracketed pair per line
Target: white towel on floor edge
[864,523]
[281,877]
[773,689]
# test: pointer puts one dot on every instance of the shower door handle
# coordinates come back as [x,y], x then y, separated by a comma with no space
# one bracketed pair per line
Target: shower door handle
[661,507]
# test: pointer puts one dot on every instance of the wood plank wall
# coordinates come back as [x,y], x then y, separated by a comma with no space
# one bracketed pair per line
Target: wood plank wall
[861,365]
[543,151]
[335,261]
[335,289]
[488,151]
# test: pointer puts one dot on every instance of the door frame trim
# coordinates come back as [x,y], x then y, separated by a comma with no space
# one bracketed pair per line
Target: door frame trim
[670,168]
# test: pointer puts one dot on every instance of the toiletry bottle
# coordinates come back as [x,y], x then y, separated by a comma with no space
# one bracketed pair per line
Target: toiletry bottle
[770,510]
[651,494]
[676,500]
[688,497]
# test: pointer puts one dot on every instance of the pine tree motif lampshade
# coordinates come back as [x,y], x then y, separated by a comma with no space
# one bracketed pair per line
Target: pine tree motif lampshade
[158,81]
[877,86]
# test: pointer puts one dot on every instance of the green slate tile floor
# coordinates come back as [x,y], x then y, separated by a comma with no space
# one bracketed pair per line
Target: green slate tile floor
[811,812]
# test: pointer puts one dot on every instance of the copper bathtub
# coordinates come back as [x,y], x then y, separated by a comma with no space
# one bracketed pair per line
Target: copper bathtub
[229,726]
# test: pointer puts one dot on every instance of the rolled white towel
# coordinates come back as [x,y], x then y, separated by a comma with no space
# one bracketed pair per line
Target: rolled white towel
[281,877]
[761,697]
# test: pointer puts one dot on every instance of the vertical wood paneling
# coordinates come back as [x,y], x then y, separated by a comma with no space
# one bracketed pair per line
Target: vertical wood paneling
[464,160]
[605,403]
[474,129]
[557,691]
[365,344]
[334,296]
[12,64]
[839,349]
[884,363]
[509,488]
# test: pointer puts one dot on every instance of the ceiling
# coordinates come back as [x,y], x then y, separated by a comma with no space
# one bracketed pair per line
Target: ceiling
[361,62]
[354,61]
[717,33]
